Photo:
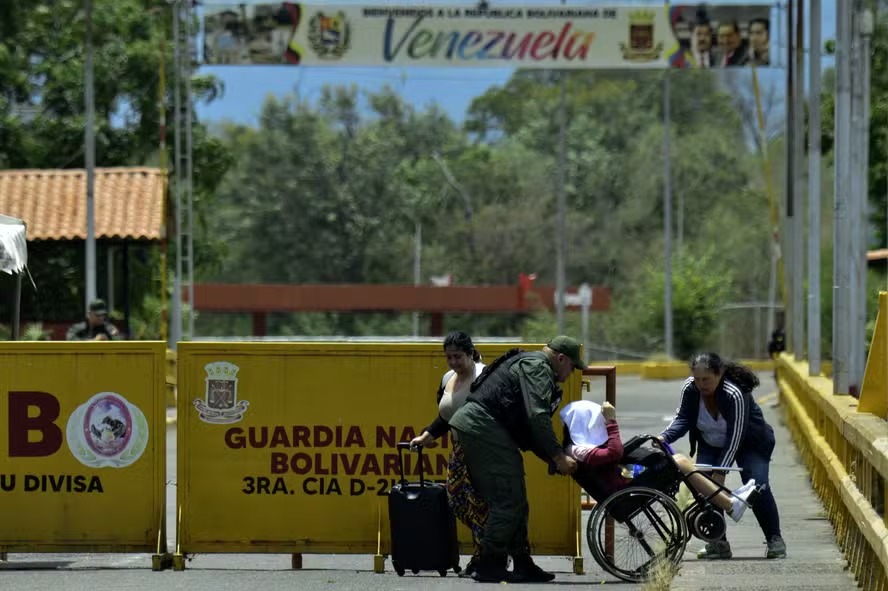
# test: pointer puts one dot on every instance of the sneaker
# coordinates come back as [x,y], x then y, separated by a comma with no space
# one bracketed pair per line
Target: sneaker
[776,548]
[741,500]
[719,550]
[470,567]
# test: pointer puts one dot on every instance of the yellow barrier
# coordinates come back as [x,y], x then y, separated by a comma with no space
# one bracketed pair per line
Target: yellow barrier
[290,447]
[677,370]
[624,368]
[874,394]
[82,461]
[846,453]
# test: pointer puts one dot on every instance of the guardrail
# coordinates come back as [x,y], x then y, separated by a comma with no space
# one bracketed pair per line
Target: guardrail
[846,452]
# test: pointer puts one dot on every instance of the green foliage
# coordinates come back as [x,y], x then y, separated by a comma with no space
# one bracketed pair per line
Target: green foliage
[145,324]
[701,285]
[42,117]
[35,332]
[334,193]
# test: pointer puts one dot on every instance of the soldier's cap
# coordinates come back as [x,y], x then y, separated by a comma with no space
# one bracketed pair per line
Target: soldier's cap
[98,307]
[570,347]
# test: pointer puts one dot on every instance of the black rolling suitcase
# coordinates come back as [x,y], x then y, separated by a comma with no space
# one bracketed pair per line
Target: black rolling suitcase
[423,528]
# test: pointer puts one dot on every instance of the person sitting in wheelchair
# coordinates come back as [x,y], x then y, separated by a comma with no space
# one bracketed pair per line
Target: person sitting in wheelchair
[592,438]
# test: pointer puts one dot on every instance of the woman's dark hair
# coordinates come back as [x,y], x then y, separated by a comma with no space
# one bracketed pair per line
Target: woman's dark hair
[463,342]
[741,375]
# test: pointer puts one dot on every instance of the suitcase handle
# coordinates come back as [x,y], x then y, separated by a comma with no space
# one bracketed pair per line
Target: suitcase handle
[402,445]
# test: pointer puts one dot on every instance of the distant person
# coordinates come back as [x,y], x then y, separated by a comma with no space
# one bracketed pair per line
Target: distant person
[731,46]
[777,344]
[96,327]
[759,42]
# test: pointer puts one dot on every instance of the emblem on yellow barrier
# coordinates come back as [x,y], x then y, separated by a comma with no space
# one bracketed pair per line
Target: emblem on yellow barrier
[107,430]
[220,404]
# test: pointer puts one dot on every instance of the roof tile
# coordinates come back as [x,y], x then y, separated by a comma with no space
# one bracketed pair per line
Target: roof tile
[128,202]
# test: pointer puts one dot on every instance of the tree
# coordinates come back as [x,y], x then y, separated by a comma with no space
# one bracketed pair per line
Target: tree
[701,284]
[42,115]
[334,190]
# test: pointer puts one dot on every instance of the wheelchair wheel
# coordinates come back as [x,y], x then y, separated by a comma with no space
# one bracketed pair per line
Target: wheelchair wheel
[648,529]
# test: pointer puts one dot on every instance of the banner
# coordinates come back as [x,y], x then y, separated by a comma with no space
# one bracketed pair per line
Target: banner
[519,36]
[291,447]
[82,458]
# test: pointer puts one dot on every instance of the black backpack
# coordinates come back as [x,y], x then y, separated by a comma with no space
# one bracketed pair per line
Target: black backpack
[660,471]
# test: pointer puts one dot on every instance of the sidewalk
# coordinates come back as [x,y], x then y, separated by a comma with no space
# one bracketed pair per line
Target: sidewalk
[813,559]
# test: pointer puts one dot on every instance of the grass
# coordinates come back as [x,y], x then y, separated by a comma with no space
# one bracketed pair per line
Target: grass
[660,576]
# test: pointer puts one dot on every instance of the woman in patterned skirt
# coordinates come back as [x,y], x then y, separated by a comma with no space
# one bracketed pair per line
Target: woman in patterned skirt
[465,365]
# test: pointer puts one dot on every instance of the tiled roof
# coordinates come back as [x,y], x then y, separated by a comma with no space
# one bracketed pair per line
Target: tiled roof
[128,202]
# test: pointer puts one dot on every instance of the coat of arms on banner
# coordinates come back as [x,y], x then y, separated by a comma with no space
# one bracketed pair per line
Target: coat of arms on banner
[329,36]
[220,404]
[107,430]
[641,38]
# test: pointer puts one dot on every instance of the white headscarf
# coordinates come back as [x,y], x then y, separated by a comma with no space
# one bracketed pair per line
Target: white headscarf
[585,423]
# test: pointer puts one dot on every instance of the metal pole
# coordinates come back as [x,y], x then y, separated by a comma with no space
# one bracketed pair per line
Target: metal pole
[864,32]
[109,276]
[161,105]
[417,268]
[776,268]
[757,349]
[561,223]
[814,131]
[189,169]
[679,240]
[585,302]
[667,217]
[176,316]
[467,199]
[854,201]
[17,307]
[790,258]
[841,376]
[779,55]
[90,159]
[798,169]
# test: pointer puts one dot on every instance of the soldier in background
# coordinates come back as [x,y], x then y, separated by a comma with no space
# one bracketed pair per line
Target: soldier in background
[96,327]
[777,344]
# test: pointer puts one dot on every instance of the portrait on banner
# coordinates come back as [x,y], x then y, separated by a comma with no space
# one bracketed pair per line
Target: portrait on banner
[247,34]
[721,36]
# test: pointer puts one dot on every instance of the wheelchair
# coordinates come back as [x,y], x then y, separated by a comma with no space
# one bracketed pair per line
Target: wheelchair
[636,529]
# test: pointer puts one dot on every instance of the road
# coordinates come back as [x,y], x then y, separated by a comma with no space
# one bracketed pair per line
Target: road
[642,407]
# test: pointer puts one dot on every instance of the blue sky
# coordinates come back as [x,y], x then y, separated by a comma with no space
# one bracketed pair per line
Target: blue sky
[246,87]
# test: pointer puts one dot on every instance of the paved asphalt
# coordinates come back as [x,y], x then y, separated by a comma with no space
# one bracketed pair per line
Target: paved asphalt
[814,562]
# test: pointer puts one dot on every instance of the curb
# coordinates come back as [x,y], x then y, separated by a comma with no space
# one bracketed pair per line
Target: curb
[669,370]
[768,398]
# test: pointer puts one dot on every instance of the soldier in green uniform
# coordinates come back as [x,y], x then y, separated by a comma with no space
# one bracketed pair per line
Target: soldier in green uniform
[510,409]
[96,327]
